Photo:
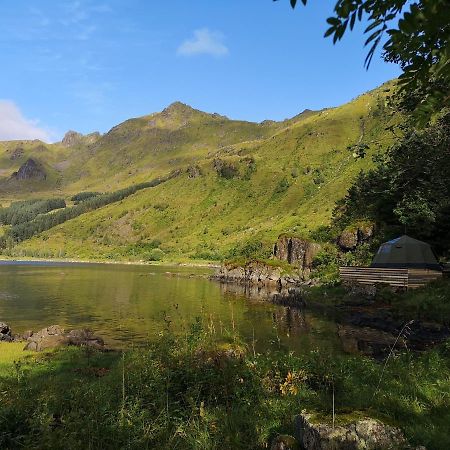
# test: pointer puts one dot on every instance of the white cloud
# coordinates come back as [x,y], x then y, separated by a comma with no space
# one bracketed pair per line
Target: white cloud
[204,42]
[13,125]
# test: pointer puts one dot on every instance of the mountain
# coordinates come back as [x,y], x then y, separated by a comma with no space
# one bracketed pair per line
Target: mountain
[234,181]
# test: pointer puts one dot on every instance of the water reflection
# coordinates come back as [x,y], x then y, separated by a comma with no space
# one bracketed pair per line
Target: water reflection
[132,304]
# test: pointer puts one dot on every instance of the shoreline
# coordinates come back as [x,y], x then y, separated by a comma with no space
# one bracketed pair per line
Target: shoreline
[205,265]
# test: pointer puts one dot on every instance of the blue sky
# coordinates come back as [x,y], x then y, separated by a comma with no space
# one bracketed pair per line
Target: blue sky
[88,65]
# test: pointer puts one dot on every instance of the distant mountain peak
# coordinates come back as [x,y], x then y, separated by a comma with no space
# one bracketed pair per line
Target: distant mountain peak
[72,138]
[178,107]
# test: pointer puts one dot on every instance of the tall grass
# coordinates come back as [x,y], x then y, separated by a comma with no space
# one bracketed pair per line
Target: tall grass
[207,389]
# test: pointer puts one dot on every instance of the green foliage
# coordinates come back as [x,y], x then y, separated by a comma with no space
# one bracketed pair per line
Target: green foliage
[25,230]
[82,196]
[206,390]
[24,211]
[409,190]
[252,248]
[226,169]
[282,186]
[430,303]
[416,38]
[155,254]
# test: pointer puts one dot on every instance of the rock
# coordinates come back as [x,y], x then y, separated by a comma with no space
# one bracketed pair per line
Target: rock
[71,138]
[17,153]
[296,251]
[55,336]
[194,171]
[368,341]
[355,235]
[5,332]
[367,434]
[84,337]
[348,239]
[284,442]
[30,169]
[255,273]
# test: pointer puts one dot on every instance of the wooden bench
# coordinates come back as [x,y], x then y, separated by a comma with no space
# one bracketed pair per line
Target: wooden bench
[399,278]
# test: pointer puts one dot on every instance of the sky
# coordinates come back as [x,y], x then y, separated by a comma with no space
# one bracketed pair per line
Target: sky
[87,65]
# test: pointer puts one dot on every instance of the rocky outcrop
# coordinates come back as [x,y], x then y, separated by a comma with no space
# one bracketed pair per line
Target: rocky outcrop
[296,251]
[52,337]
[55,336]
[367,434]
[255,273]
[71,138]
[356,235]
[30,170]
[194,171]
[17,153]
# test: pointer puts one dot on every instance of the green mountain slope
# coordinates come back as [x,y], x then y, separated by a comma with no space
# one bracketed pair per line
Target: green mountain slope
[238,181]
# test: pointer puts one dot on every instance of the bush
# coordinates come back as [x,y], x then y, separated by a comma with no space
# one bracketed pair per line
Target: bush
[250,249]
[154,255]
[282,186]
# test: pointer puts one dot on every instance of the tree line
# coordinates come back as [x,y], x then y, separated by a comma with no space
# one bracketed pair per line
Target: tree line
[25,230]
[27,210]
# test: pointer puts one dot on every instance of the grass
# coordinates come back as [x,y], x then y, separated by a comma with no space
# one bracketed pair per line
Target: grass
[208,390]
[9,353]
[210,215]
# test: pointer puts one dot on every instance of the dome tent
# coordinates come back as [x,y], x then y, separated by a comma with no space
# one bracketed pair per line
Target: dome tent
[406,252]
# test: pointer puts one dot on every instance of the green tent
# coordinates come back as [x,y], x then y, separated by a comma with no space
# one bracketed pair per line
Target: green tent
[406,252]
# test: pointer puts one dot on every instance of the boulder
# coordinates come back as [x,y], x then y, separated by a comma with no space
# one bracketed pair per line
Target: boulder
[367,434]
[284,442]
[369,341]
[296,251]
[355,235]
[348,239]
[55,336]
[5,332]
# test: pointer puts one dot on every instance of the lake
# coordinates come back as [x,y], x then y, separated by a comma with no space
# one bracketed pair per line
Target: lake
[131,304]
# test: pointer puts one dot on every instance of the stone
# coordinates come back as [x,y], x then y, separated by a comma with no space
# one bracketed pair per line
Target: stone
[30,169]
[55,336]
[194,171]
[353,236]
[284,442]
[367,434]
[71,138]
[298,252]
[369,341]
[348,239]
[5,332]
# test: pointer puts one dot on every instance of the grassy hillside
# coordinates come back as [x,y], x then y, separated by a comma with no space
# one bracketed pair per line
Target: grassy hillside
[239,181]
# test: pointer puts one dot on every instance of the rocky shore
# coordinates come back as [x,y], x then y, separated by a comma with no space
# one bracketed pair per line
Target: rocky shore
[52,337]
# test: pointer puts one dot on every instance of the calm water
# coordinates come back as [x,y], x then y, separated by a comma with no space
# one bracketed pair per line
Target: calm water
[132,304]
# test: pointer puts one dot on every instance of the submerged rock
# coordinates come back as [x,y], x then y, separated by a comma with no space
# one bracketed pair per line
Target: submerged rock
[367,434]
[55,336]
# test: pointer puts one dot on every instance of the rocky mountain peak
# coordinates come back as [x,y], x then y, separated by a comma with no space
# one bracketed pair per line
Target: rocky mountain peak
[71,138]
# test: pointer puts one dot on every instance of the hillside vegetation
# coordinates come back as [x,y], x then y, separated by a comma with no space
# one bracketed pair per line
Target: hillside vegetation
[235,181]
